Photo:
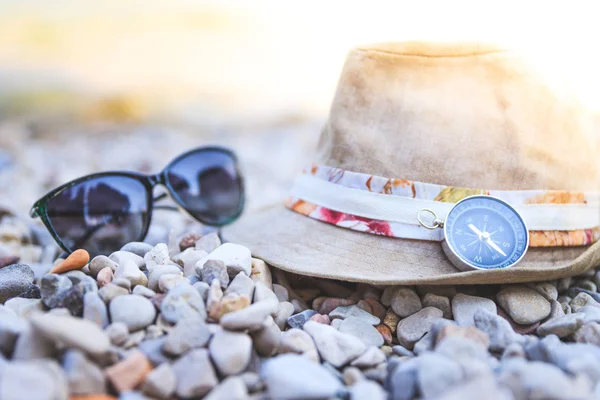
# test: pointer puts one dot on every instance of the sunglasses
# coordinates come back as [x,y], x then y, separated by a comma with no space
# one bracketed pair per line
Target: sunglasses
[104,211]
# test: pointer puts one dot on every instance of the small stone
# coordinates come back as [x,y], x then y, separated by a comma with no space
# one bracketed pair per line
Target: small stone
[137,312]
[138,248]
[208,243]
[183,301]
[99,263]
[414,327]
[589,333]
[111,291]
[231,388]
[94,309]
[361,329]
[188,260]
[385,333]
[105,276]
[336,323]
[402,351]
[252,381]
[499,331]
[263,293]
[228,304]
[352,375]
[143,291]
[241,285]
[299,342]
[261,272]
[252,317]
[160,383]
[546,289]
[266,340]
[5,261]
[214,296]
[524,305]
[281,292]
[39,380]
[11,326]
[76,260]
[556,310]
[334,347]
[468,332]
[405,302]
[284,311]
[32,292]
[31,344]
[298,320]
[14,280]
[72,300]
[353,311]
[202,288]
[465,306]
[168,281]
[236,258]
[391,320]
[214,269]
[291,376]
[158,271]
[23,307]
[370,358]
[134,339]
[562,326]
[117,333]
[587,285]
[581,300]
[131,272]
[230,351]
[187,334]
[367,389]
[378,310]
[83,376]
[189,240]
[129,372]
[122,282]
[439,302]
[322,319]
[159,255]
[387,295]
[51,287]
[73,332]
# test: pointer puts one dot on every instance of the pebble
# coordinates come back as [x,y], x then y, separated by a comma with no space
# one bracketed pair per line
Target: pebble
[226,305]
[231,388]
[251,317]
[581,300]
[52,286]
[39,380]
[155,275]
[111,291]
[267,339]
[214,269]
[187,334]
[367,389]
[299,342]
[23,307]
[252,381]
[94,309]
[352,375]
[361,329]
[467,332]
[105,276]
[160,383]
[14,280]
[99,263]
[589,333]
[31,344]
[465,306]
[524,305]
[499,331]
[356,312]
[135,311]
[138,248]
[131,272]
[159,255]
[129,372]
[439,302]
[183,301]
[405,302]
[290,377]
[414,327]
[241,285]
[298,320]
[11,326]
[402,351]
[230,351]
[335,347]
[76,260]
[260,272]
[236,258]
[285,310]
[371,357]
[322,319]
[437,374]
[546,289]
[117,333]
[202,288]
[168,281]
[74,332]
[391,320]
[562,326]
[263,293]
[83,376]
[143,291]
[32,292]
[208,242]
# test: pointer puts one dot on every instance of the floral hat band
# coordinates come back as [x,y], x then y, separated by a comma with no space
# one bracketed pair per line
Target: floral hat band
[390,207]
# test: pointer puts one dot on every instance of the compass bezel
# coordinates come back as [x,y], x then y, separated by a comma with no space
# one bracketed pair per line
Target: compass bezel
[464,264]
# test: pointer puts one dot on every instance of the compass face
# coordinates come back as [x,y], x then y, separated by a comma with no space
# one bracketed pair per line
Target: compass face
[486,233]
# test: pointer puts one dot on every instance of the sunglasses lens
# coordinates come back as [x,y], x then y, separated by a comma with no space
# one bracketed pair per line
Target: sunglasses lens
[208,185]
[100,214]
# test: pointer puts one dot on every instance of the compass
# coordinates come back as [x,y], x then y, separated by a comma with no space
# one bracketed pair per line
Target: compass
[482,232]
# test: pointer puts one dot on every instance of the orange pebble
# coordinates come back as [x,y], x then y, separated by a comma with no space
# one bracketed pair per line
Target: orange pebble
[92,397]
[77,260]
[130,372]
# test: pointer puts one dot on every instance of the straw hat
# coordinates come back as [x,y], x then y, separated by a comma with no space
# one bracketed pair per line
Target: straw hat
[437,122]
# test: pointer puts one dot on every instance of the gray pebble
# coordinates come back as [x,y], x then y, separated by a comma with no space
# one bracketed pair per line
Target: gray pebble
[83,376]
[231,388]
[187,334]
[160,383]
[298,320]
[367,389]
[267,339]
[414,327]
[230,351]
[525,306]
[439,302]
[51,286]
[437,374]
[344,312]
[138,248]
[98,263]
[117,333]
[547,289]
[241,285]
[137,312]
[183,301]
[562,326]
[202,288]
[143,291]
[108,292]
[208,243]
[158,271]
[361,329]
[405,302]
[214,269]
[402,351]
[499,330]
[39,380]
[334,347]
[194,374]
[465,306]
[285,310]
[94,309]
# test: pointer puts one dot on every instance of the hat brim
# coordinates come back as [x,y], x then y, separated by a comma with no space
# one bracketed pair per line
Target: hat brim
[302,245]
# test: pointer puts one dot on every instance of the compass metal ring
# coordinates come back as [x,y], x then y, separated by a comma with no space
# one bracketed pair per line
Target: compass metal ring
[437,222]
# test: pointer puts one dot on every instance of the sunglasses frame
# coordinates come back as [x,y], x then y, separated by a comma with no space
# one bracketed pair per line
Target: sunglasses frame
[40,207]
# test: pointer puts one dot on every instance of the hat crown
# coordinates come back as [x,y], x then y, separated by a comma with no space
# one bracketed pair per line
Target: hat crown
[467,115]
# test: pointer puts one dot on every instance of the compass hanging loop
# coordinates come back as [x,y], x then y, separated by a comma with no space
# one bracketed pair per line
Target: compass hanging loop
[437,222]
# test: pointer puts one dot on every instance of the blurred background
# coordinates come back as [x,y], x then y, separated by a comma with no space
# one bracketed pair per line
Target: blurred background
[127,84]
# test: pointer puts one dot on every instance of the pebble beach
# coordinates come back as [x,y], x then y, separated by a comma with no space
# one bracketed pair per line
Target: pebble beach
[184,316]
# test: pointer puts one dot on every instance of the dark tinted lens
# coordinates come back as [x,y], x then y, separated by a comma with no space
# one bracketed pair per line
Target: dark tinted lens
[101,214]
[207,184]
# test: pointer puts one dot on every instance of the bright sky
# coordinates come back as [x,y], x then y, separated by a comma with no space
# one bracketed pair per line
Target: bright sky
[260,57]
